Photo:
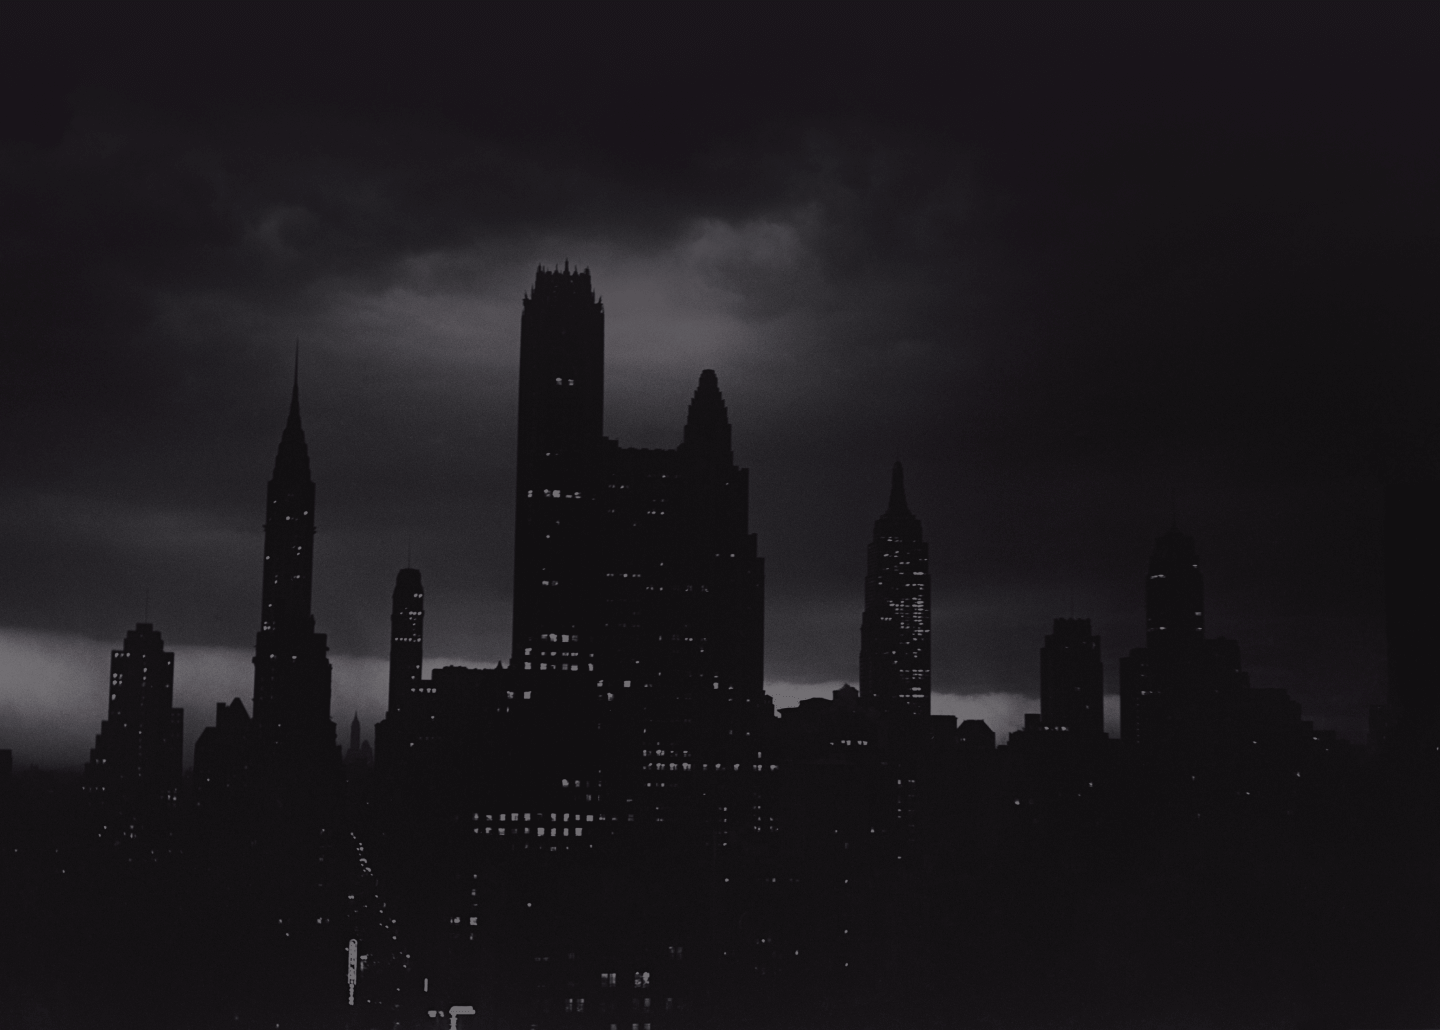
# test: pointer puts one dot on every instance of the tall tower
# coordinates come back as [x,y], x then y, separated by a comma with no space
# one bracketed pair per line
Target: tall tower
[895,630]
[292,674]
[1174,595]
[1072,680]
[137,759]
[407,633]
[724,568]
[562,368]
[1176,691]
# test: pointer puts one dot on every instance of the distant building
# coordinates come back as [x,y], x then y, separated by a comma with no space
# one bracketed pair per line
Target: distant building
[1165,686]
[407,638]
[895,629]
[136,765]
[1072,680]
[359,753]
[410,715]
[1174,595]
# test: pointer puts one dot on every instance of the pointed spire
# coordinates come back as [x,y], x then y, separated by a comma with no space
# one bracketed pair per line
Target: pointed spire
[897,492]
[294,418]
[707,426]
[293,457]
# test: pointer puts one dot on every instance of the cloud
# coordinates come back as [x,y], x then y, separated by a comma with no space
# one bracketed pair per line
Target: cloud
[52,695]
[1056,338]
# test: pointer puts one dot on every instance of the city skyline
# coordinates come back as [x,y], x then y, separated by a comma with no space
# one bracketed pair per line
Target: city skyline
[796,865]
[1068,345]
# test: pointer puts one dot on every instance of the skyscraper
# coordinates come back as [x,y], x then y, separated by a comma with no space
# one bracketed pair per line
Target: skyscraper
[681,621]
[1157,681]
[1072,680]
[292,673]
[682,585]
[1174,595]
[1181,691]
[895,629]
[562,389]
[135,766]
[407,638]
[410,713]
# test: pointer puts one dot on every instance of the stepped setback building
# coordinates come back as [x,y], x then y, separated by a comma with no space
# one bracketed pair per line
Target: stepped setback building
[638,626]
[135,766]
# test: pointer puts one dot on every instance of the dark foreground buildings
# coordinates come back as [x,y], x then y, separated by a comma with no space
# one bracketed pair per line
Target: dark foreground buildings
[614,830]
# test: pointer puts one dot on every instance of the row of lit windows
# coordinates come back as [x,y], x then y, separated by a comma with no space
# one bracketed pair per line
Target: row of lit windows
[516,817]
[642,979]
[556,494]
[705,767]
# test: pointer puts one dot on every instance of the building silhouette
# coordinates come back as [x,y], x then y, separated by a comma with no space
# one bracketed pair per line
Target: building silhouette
[287,740]
[223,754]
[895,629]
[135,768]
[631,717]
[558,475]
[407,637]
[291,707]
[614,829]
[682,622]
[1163,685]
[359,754]
[410,713]
[1072,680]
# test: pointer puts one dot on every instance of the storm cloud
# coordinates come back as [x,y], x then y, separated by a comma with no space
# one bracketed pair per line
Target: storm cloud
[1085,272]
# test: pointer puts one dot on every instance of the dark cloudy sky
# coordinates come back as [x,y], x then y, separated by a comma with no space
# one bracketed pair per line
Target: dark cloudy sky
[1080,267]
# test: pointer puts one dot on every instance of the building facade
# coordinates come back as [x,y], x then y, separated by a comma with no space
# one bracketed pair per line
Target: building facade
[291,705]
[1072,680]
[135,768]
[895,629]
